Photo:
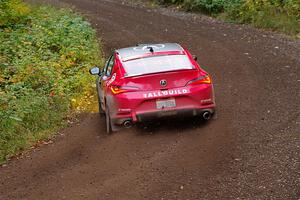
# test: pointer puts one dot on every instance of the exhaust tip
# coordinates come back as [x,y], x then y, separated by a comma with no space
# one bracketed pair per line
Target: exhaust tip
[127,124]
[206,115]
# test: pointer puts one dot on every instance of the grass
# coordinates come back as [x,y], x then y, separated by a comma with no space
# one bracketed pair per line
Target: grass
[275,15]
[45,54]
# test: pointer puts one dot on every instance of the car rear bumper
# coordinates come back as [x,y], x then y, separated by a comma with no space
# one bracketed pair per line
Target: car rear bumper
[168,113]
[149,116]
[138,107]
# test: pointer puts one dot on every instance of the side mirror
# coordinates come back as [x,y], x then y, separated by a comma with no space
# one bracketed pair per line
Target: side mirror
[95,71]
[195,57]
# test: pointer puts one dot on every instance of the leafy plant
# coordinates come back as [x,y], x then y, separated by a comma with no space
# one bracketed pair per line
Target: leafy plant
[13,12]
[45,54]
[281,15]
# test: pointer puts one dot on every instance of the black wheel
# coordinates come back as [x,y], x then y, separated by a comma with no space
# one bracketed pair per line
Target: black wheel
[108,121]
[101,111]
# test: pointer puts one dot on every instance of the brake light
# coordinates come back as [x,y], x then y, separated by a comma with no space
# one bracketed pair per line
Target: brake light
[201,80]
[116,89]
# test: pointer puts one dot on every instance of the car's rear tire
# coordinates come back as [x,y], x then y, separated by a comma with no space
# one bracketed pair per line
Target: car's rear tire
[108,121]
[101,111]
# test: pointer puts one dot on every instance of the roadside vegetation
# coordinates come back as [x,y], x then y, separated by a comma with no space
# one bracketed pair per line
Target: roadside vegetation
[45,54]
[279,15]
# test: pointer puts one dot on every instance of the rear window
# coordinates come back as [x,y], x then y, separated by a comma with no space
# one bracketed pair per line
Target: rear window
[156,64]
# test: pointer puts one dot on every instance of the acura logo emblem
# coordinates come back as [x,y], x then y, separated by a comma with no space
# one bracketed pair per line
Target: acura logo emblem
[163,83]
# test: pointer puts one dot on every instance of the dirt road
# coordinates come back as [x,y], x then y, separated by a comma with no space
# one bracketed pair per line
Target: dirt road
[250,151]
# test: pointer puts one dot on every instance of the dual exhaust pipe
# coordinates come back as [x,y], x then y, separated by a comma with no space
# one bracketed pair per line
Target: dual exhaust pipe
[207,115]
[127,124]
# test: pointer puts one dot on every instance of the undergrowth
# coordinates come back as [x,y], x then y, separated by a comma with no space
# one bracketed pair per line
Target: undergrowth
[279,15]
[45,54]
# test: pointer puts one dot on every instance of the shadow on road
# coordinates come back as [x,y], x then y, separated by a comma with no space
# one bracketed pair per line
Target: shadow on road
[170,125]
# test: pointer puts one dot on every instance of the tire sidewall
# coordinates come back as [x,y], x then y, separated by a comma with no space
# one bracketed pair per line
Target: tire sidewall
[108,121]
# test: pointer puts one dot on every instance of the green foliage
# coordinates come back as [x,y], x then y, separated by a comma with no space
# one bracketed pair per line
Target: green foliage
[12,12]
[207,6]
[282,15]
[44,59]
[271,14]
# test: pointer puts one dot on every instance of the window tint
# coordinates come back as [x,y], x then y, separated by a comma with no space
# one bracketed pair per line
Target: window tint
[109,66]
[157,64]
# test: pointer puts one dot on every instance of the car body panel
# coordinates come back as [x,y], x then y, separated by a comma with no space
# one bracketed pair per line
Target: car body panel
[145,93]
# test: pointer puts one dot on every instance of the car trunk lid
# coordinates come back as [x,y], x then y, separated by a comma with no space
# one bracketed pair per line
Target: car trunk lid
[161,81]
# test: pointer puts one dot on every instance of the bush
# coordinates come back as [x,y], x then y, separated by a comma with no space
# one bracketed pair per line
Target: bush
[275,14]
[207,6]
[44,59]
[13,12]
[281,15]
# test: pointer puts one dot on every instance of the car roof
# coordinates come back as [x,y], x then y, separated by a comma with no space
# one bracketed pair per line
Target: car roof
[141,50]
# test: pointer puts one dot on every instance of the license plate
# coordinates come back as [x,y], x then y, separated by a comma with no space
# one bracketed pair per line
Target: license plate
[160,104]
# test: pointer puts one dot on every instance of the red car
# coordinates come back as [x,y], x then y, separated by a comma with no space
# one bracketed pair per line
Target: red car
[151,81]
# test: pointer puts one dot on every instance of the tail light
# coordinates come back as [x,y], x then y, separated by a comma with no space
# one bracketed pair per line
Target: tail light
[201,80]
[116,89]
